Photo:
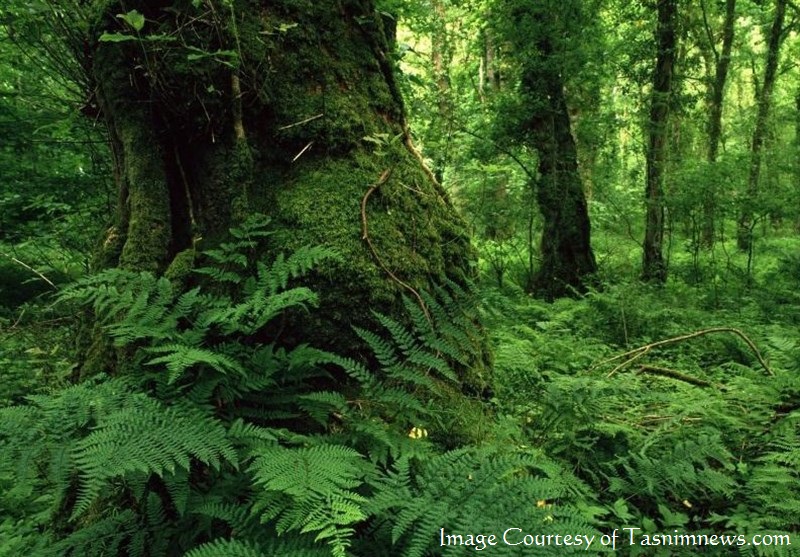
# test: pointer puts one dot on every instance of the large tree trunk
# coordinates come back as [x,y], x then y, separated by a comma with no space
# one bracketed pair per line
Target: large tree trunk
[654,267]
[716,96]
[275,107]
[744,237]
[567,260]
[567,257]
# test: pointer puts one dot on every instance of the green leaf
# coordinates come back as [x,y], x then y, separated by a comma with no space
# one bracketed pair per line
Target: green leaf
[134,19]
[115,38]
[217,55]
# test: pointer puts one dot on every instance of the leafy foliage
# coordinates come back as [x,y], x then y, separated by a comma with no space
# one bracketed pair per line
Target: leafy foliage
[209,437]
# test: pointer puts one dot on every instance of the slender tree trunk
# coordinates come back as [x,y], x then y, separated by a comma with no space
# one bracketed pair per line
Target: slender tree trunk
[797,149]
[489,61]
[542,38]
[744,237]
[270,115]
[716,98]
[440,59]
[654,267]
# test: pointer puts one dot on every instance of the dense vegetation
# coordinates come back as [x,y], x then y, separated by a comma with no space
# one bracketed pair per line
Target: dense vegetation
[624,355]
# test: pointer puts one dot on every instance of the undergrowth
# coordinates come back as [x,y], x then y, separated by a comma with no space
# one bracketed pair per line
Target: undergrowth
[692,436]
[634,407]
[206,440]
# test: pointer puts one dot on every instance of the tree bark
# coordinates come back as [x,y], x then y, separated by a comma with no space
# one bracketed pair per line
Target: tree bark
[491,81]
[567,257]
[744,236]
[274,107]
[654,267]
[716,97]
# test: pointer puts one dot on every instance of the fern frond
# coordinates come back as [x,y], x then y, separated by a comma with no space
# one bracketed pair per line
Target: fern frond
[178,358]
[228,548]
[401,336]
[148,438]
[320,405]
[311,489]
[285,547]
[382,349]
[275,277]
[100,537]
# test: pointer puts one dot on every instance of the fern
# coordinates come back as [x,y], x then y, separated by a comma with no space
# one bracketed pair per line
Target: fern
[470,490]
[236,548]
[106,536]
[213,440]
[178,358]
[228,548]
[311,490]
[164,441]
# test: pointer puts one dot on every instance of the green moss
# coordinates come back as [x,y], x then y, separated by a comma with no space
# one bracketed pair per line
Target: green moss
[108,250]
[100,354]
[415,233]
[149,216]
[221,184]
[147,208]
[181,267]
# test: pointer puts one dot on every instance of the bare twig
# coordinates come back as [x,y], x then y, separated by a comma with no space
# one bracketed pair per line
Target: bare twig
[31,269]
[21,314]
[236,98]
[674,374]
[301,122]
[505,151]
[303,150]
[627,362]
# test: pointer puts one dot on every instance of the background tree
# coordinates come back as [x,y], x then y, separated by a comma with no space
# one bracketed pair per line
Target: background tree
[541,44]
[654,267]
[716,96]
[746,222]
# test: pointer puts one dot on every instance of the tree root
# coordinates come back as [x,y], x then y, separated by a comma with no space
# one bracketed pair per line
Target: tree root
[365,236]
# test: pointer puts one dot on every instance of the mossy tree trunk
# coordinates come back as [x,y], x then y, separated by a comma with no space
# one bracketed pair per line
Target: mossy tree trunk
[217,109]
[567,259]
[654,267]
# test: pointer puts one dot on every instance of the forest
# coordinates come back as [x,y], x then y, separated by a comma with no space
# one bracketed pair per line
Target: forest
[365,278]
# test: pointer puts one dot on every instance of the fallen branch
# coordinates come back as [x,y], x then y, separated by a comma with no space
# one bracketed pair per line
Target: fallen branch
[674,374]
[632,355]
